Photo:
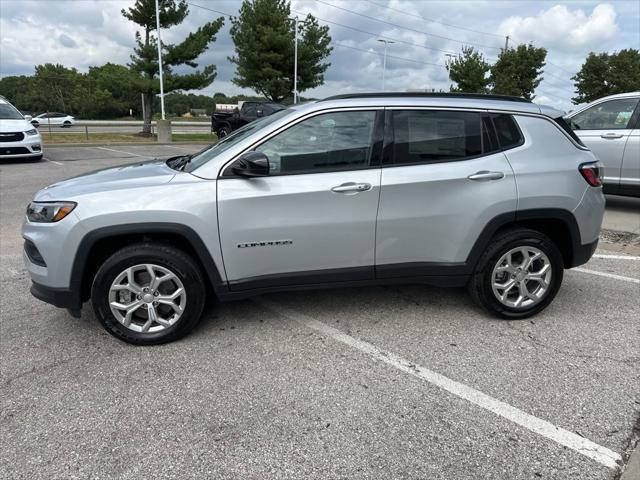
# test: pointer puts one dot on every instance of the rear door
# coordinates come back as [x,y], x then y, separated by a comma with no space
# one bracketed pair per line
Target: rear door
[605,128]
[443,180]
[312,219]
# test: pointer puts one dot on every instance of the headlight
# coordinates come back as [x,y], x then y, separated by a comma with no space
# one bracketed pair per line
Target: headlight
[31,132]
[47,212]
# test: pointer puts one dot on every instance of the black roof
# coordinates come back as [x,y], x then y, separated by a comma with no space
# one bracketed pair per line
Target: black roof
[476,96]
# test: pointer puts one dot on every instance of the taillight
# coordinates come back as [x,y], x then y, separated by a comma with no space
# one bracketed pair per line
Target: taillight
[592,173]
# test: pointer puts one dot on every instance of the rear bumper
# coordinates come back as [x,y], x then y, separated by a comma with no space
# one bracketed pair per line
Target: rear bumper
[583,253]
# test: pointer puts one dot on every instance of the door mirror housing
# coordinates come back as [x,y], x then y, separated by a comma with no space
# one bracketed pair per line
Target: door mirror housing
[28,118]
[251,164]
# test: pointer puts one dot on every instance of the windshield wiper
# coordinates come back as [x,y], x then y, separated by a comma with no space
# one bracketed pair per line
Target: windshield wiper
[179,162]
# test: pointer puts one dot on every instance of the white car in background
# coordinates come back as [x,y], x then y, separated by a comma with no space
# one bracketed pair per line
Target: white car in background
[18,138]
[610,128]
[53,118]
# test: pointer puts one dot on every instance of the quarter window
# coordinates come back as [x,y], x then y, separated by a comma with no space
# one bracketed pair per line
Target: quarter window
[508,133]
[424,136]
[327,142]
[611,115]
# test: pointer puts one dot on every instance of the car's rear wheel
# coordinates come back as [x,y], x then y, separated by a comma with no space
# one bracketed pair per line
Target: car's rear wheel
[518,275]
[148,293]
[223,131]
[66,124]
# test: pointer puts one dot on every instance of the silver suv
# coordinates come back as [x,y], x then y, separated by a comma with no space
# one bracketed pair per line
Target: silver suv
[610,127]
[450,190]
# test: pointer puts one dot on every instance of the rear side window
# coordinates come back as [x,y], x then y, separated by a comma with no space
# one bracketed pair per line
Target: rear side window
[508,133]
[424,136]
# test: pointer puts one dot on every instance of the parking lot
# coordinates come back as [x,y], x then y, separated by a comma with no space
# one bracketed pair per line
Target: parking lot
[377,382]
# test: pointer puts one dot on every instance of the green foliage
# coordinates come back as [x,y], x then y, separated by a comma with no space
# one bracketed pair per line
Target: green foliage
[607,74]
[470,72]
[517,71]
[263,36]
[144,61]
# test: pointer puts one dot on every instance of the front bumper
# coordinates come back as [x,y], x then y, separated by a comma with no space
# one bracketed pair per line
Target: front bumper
[58,297]
[30,146]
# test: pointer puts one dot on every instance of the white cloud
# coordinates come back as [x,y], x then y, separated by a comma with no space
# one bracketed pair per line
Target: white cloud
[568,29]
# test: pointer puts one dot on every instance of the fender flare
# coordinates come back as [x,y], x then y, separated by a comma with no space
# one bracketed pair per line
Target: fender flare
[90,239]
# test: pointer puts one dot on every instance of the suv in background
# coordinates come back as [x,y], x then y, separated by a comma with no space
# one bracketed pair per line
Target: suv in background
[440,189]
[18,138]
[610,127]
[222,123]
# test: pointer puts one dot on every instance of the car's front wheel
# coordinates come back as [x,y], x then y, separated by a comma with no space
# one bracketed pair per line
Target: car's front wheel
[148,293]
[518,275]
[223,131]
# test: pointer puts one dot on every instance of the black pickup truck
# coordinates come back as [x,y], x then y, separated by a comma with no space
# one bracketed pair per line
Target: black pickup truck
[224,123]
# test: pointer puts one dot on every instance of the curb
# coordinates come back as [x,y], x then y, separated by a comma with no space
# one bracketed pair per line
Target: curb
[121,144]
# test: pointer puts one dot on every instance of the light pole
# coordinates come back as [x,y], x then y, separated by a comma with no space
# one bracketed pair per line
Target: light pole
[384,61]
[160,59]
[295,66]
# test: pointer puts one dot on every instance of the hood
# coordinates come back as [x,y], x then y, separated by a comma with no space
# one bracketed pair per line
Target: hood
[19,125]
[135,175]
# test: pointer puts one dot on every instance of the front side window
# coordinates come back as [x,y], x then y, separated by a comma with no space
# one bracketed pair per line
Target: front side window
[326,142]
[431,136]
[611,115]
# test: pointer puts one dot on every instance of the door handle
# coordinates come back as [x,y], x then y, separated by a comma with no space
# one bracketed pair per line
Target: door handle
[485,175]
[611,135]
[351,187]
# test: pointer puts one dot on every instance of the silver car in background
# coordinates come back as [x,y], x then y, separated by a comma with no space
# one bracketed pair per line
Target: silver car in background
[610,128]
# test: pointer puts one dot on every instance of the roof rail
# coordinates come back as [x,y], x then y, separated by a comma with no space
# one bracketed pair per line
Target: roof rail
[477,96]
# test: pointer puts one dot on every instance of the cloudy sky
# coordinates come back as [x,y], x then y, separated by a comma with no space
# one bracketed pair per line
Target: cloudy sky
[82,33]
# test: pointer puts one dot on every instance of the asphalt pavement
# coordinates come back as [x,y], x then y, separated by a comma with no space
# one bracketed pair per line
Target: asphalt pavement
[384,382]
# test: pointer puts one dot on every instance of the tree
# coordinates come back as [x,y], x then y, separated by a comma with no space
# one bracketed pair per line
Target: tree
[122,83]
[145,58]
[263,36]
[470,72]
[517,71]
[606,74]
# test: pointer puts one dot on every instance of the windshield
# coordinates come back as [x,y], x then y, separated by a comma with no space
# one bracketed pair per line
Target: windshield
[8,112]
[234,138]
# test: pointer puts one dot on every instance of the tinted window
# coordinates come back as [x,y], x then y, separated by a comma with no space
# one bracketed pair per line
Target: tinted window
[328,142]
[508,133]
[250,111]
[435,136]
[611,115]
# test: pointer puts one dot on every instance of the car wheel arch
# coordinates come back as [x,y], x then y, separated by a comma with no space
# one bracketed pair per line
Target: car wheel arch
[99,244]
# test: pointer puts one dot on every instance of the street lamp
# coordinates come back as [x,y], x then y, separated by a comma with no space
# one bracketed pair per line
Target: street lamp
[384,61]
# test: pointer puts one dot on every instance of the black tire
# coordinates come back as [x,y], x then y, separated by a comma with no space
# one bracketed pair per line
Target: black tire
[223,131]
[66,124]
[173,259]
[480,284]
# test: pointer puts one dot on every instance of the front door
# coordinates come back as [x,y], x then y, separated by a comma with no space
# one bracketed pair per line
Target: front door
[312,219]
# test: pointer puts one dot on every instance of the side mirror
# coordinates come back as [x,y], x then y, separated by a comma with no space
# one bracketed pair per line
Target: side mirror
[259,113]
[251,164]
[28,118]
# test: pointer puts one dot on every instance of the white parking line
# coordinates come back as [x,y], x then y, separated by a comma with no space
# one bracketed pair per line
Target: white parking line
[571,440]
[121,151]
[178,148]
[617,257]
[52,161]
[608,275]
